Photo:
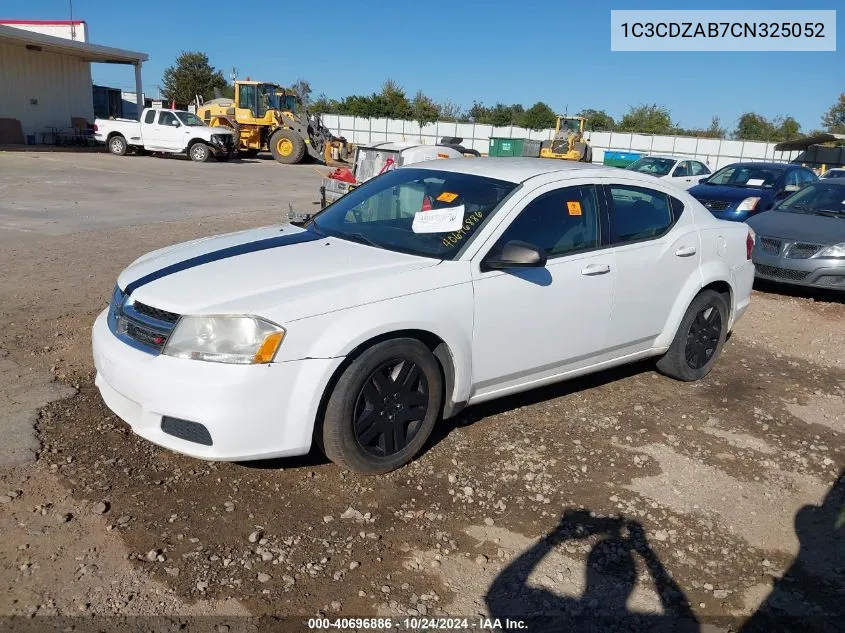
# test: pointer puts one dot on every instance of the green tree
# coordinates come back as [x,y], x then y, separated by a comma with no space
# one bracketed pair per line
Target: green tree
[191,75]
[392,102]
[424,109]
[787,129]
[538,117]
[479,113]
[324,105]
[647,119]
[597,120]
[834,119]
[302,88]
[450,111]
[715,130]
[754,127]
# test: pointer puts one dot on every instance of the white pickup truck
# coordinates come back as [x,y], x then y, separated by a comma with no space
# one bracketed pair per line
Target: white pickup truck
[168,131]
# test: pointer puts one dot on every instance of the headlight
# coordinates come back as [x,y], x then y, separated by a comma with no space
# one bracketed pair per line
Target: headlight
[837,250]
[243,340]
[748,204]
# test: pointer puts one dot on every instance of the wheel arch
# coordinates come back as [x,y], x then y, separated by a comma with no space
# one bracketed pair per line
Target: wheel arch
[435,344]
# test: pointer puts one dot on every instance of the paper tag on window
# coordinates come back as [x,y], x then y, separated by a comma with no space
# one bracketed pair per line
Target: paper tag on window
[755,182]
[438,220]
[574,207]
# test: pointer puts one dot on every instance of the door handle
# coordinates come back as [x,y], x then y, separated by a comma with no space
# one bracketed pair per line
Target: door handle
[595,269]
[685,251]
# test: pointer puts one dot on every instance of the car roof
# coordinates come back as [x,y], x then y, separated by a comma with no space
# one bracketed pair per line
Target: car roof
[762,164]
[510,169]
[667,156]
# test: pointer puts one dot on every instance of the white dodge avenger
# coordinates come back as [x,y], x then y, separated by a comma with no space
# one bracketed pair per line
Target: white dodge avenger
[429,288]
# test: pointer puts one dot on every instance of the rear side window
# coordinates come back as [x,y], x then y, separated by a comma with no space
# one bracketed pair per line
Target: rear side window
[639,213]
[150,116]
[699,169]
[558,222]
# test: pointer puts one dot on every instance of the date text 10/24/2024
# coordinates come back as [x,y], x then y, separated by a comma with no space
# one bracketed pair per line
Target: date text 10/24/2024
[417,624]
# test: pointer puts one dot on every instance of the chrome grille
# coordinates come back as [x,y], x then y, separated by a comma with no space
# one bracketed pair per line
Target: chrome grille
[143,327]
[770,245]
[782,273]
[799,250]
[715,205]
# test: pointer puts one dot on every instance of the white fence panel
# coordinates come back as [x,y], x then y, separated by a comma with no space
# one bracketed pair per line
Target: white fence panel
[685,145]
[445,128]
[663,144]
[754,150]
[641,142]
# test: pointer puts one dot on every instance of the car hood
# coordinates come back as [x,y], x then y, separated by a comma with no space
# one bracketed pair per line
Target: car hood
[728,193]
[267,271]
[800,227]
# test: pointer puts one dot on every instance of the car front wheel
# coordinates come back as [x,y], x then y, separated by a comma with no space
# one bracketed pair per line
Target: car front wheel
[383,407]
[699,338]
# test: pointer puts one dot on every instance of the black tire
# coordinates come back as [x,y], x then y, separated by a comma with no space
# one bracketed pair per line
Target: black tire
[289,139]
[389,396]
[699,339]
[199,152]
[117,145]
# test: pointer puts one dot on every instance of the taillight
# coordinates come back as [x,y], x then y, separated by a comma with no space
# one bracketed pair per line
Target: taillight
[96,128]
[749,243]
[426,204]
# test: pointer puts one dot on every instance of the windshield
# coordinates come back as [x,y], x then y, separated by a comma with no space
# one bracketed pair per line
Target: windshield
[417,211]
[573,125]
[746,176]
[821,197]
[833,173]
[189,118]
[652,165]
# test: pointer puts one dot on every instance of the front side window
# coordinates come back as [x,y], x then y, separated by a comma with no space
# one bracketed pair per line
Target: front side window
[150,116]
[822,198]
[682,170]
[167,118]
[559,222]
[417,211]
[638,213]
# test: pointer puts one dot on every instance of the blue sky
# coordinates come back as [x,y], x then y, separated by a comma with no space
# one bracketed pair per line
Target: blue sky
[463,50]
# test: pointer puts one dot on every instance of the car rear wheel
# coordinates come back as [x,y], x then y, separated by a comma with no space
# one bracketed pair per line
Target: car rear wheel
[117,145]
[383,407]
[699,338]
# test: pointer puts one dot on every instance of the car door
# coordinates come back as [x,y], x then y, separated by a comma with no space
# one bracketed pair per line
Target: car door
[681,176]
[657,250]
[169,133]
[531,324]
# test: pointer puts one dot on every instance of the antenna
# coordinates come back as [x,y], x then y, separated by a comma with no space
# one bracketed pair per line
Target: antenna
[234,74]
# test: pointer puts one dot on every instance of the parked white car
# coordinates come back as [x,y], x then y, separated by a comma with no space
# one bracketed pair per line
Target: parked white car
[681,172]
[432,287]
[167,131]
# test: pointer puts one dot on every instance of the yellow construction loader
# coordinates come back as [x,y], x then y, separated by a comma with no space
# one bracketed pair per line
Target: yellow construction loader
[265,116]
[568,142]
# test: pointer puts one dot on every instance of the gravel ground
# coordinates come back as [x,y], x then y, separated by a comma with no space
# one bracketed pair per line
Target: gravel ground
[623,495]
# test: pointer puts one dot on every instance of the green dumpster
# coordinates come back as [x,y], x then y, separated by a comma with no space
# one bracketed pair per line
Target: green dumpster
[501,146]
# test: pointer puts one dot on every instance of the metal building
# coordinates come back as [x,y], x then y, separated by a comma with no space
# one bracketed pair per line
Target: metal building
[45,74]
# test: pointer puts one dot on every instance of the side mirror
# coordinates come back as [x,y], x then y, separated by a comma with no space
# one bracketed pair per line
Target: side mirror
[175,124]
[701,181]
[517,254]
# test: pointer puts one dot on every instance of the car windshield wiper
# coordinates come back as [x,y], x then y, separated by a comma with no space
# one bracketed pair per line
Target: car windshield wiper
[829,213]
[360,238]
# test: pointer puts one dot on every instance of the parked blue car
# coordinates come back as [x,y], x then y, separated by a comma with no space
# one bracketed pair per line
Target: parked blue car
[741,190]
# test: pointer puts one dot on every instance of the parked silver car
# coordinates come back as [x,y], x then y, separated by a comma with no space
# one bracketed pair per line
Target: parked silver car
[802,240]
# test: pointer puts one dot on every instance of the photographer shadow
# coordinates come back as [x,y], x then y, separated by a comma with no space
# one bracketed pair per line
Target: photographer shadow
[611,576]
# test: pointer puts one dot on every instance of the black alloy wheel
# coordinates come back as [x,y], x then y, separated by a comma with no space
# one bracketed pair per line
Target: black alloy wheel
[391,407]
[703,337]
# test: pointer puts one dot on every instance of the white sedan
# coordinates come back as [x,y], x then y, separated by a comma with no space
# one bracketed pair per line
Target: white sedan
[432,287]
[681,172]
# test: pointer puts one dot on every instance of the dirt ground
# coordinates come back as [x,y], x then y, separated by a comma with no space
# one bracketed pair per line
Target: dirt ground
[623,495]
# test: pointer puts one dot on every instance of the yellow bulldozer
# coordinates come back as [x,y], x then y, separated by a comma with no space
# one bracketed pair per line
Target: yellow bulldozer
[568,142]
[267,117]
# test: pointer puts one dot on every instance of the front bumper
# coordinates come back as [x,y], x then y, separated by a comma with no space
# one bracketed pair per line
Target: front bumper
[814,272]
[249,411]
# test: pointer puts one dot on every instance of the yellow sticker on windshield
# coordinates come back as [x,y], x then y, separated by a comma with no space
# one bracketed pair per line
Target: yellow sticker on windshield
[574,207]
[446,196]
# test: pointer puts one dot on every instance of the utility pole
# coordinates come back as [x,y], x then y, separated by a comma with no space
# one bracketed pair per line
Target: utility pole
[72,25]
